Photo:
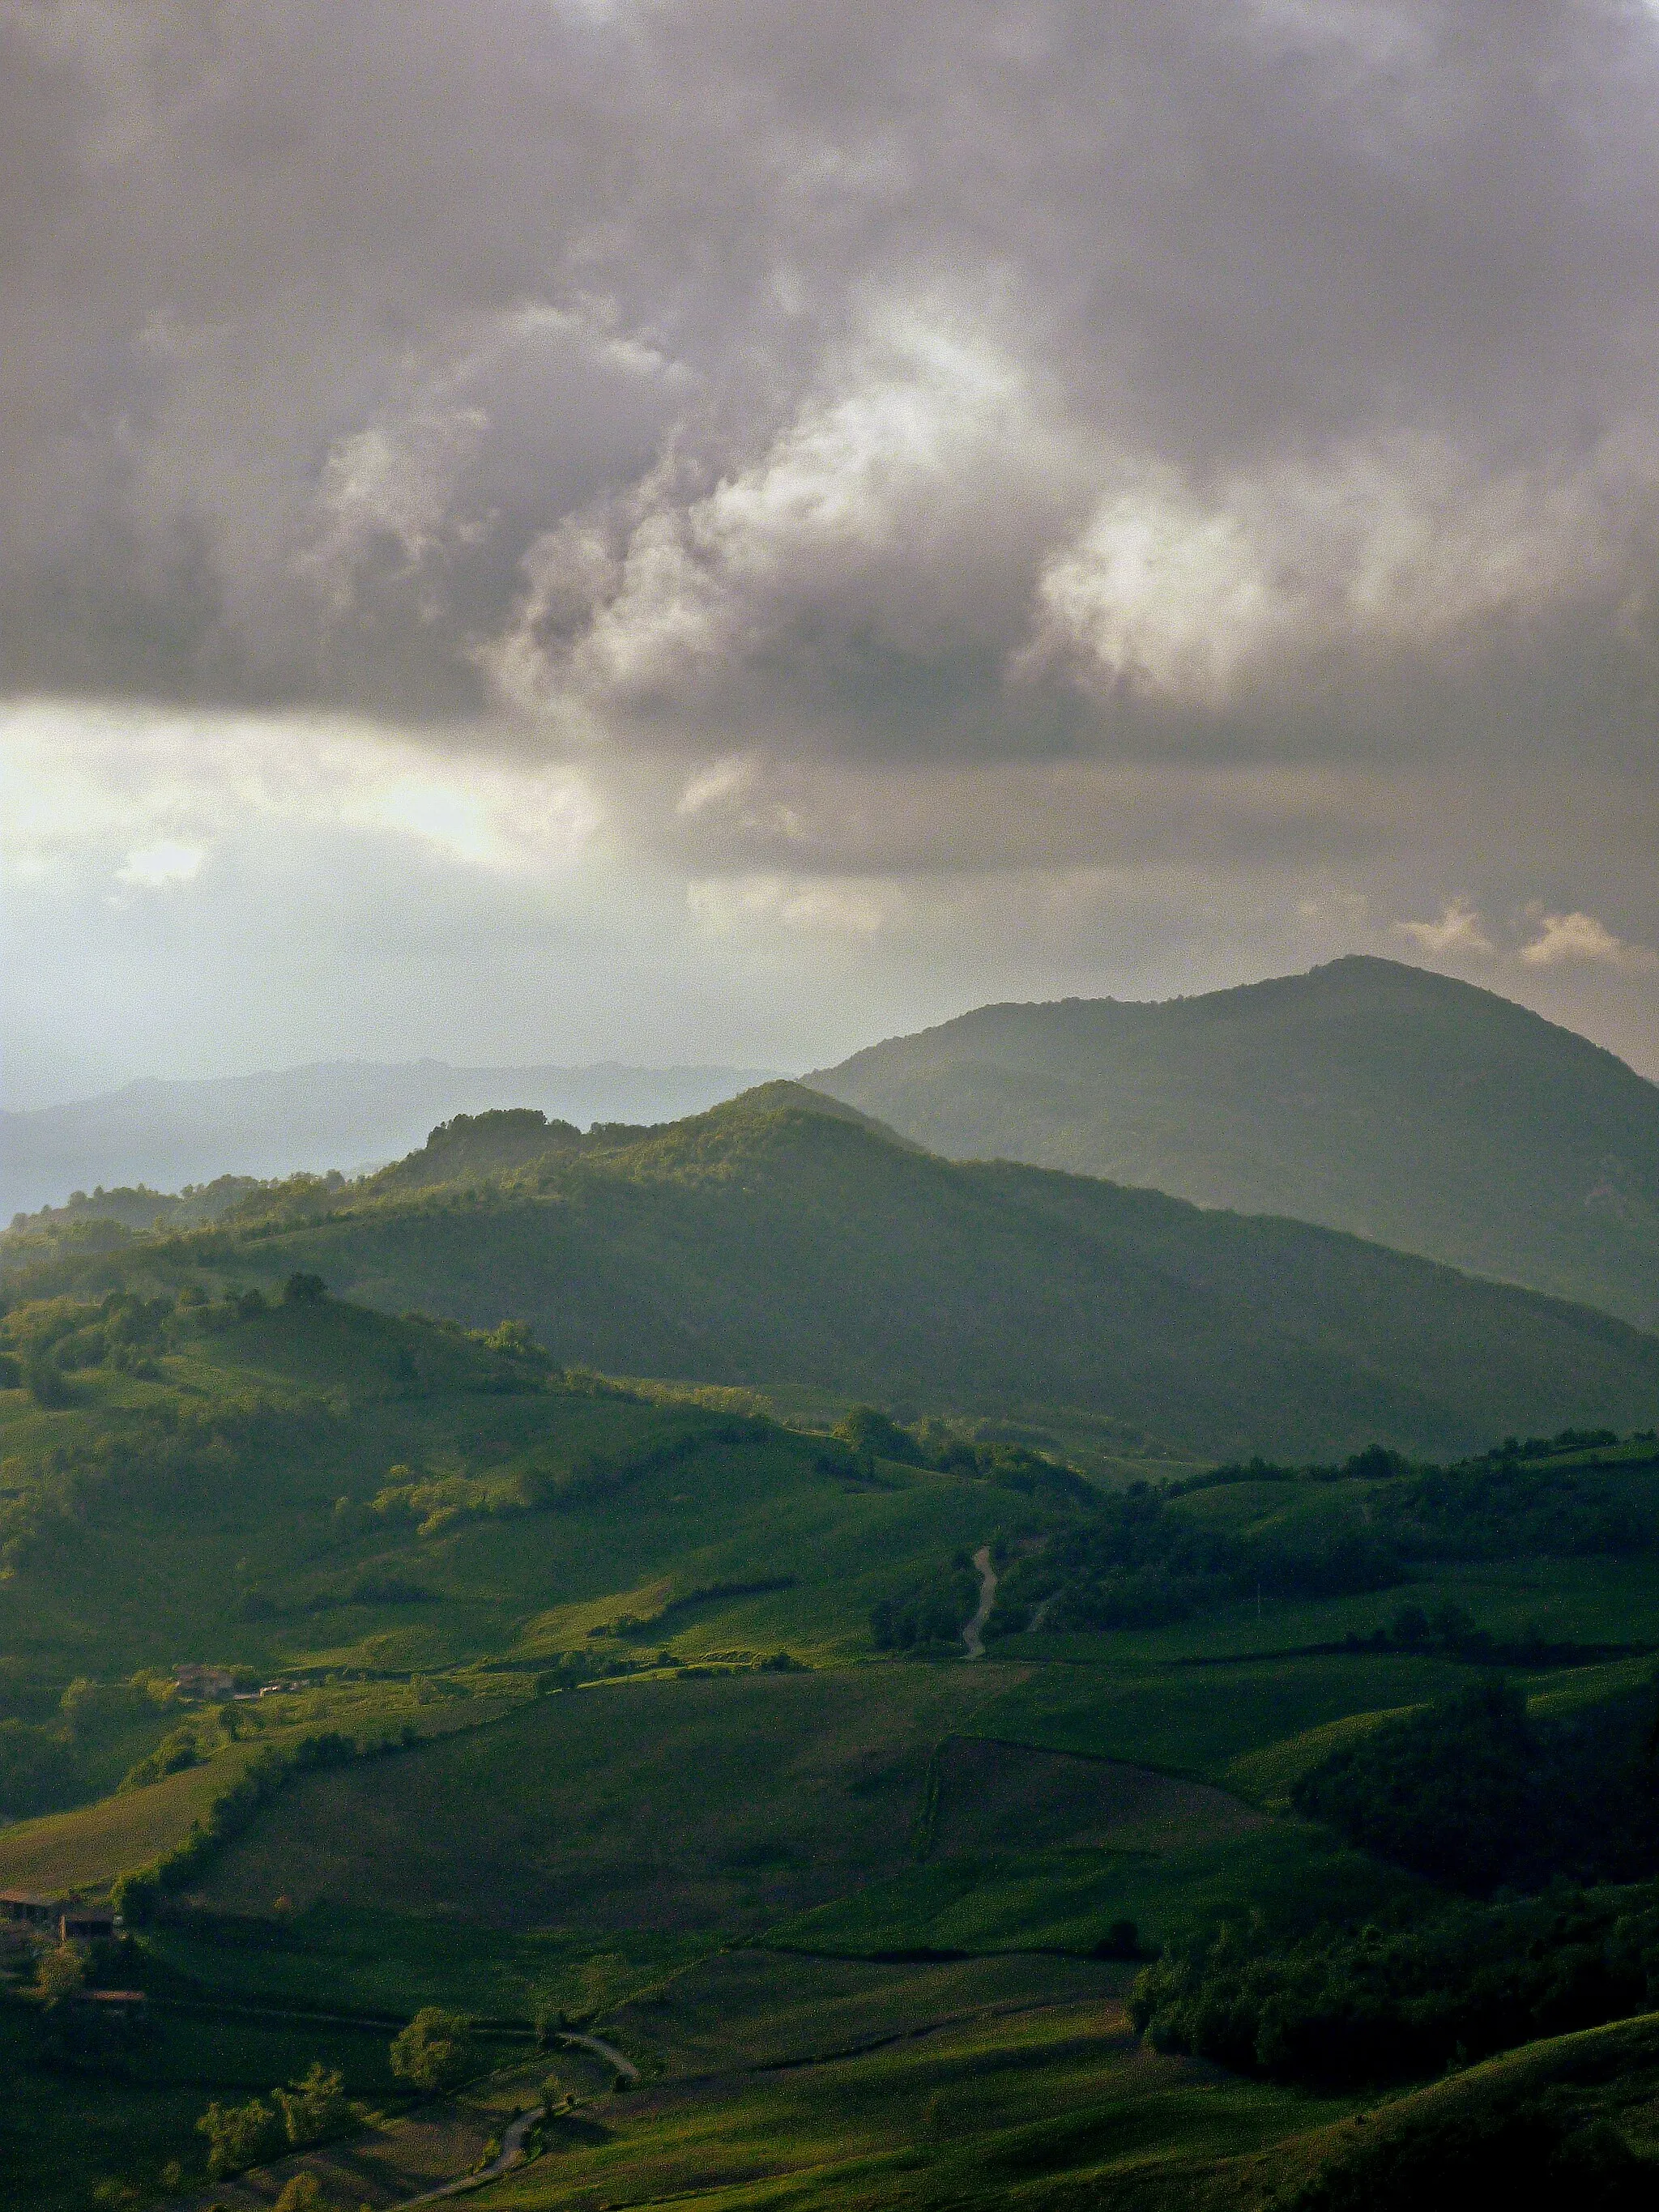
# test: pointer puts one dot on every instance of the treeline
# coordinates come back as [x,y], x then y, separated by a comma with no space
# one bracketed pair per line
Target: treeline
[1369,2006]
[1516,1499]
[1137,1559]
[1138,1562]
[869,1436]
[930,1612]
[138,1894]
[1140,1559]
[1475,1791]
[136,1206]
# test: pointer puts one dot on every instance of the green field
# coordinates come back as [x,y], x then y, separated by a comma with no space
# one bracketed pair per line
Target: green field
[1291,1876]
[700,1804]
[985,2106]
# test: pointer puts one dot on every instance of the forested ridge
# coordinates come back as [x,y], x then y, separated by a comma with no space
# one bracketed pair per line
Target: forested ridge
[780,1238]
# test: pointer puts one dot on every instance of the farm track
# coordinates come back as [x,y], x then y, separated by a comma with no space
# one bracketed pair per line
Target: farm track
[973,1633]
[512,2153]
[608,2051]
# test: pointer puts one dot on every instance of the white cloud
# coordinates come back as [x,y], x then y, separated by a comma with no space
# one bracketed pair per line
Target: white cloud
[1395,543]
[152,867]
[888,517]
[810,907]
[1564,940]
[1459,929]
[144,795]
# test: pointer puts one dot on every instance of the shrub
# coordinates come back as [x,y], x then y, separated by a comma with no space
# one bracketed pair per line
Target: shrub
[60,1975]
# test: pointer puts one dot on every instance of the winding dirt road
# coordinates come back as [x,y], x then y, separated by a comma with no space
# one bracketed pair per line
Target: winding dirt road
[511,2154]
[973,1634]
[608,2051]
[512,2151]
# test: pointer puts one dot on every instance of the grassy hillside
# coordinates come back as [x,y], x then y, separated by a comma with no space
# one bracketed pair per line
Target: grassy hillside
[1367,1096]
[635,1712]
[1061,2108]
[312,1484]
[780,1240]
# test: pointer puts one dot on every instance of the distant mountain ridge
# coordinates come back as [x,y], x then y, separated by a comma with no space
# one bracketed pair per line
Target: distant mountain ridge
[779,1238]
[331,1114]
[1400,1105]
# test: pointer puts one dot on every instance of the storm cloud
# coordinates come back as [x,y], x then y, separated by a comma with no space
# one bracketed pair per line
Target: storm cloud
[874,442]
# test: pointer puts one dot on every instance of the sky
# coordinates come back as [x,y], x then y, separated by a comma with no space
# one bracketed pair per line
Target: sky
[554,530]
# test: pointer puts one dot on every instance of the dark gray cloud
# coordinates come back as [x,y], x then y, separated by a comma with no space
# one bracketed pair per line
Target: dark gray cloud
[954,382]
[524,519]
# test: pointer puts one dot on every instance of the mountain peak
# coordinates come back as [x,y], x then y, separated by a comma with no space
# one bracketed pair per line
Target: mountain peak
[1366,1094]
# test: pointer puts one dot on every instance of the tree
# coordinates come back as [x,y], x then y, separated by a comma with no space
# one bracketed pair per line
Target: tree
[44,1379]
[433,2050]
[303,1290]
[240,2135]
[313,2107]
[1121,1941]
[60,1975]
[872,1436]
[304,2193]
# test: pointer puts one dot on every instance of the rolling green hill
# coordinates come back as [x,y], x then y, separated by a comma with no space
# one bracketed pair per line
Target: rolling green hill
[584,1716]
[308,1483]
[781,1238]
[1366,1096]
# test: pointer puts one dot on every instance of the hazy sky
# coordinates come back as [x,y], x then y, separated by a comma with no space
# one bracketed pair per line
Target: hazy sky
[541,531]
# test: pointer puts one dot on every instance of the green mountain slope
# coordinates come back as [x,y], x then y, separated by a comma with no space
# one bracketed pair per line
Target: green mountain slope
[780,1239]
[1366,1096]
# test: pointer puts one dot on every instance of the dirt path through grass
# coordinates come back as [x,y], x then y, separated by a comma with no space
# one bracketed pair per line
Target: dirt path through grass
[973,1635]
[511,2154]
[608,2051]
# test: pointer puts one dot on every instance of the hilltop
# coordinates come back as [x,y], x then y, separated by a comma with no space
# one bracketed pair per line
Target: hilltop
[1367,1096]
[336,1114]
[781,1238]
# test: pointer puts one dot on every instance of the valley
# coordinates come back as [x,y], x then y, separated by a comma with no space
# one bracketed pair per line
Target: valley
[965,1800]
